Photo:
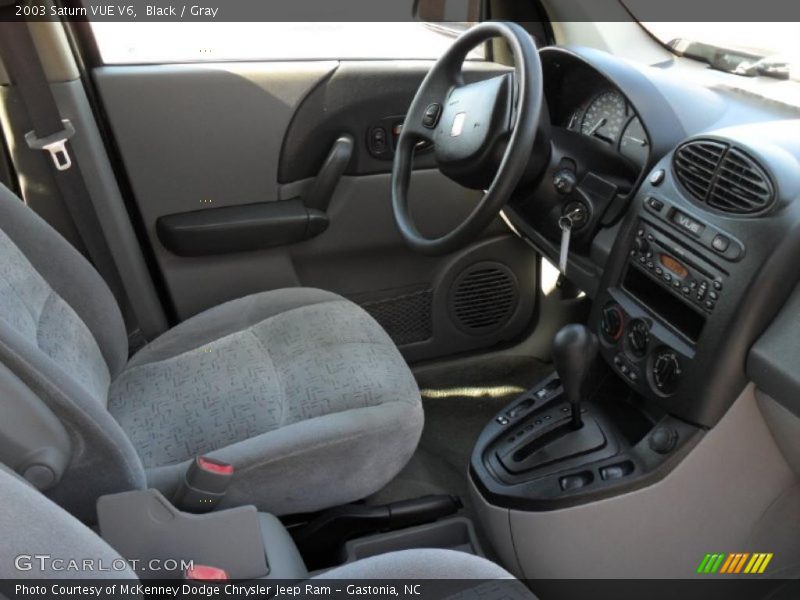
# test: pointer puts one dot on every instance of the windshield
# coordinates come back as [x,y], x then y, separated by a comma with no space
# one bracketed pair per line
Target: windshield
[750,49]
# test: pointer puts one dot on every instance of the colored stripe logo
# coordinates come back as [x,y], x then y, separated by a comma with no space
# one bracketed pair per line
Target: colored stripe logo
[735,563]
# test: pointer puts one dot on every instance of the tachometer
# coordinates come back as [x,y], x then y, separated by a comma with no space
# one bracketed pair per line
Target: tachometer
[605,117]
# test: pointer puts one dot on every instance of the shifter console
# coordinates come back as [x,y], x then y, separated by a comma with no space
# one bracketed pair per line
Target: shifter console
[566,442]
[554,432]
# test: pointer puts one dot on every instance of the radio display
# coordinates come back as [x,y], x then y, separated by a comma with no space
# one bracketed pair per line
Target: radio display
[673,265]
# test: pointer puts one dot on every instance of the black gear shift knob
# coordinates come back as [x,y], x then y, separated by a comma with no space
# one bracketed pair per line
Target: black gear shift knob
[574,351]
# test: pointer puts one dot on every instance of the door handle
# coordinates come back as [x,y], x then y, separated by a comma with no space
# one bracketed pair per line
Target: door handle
[324,185]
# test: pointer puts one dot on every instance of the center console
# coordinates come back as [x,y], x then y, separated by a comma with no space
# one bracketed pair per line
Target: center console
[683,295]
[675,282]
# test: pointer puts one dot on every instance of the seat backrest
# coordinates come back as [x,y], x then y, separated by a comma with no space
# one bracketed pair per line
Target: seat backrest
[41,540]
[62,335]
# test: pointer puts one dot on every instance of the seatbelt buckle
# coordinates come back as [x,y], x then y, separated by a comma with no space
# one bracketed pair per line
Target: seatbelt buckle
[204,485]
[55,144]
[205,573]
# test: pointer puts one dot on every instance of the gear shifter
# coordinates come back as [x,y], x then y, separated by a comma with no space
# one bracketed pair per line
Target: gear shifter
[574,351]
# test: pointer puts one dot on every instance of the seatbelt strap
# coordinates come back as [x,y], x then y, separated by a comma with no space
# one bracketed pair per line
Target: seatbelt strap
[51,134]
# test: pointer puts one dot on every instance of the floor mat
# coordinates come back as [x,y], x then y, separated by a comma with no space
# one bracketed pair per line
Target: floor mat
[458,402]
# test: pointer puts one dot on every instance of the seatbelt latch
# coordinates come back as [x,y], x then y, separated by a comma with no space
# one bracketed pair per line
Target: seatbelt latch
[55,144]
[204,485]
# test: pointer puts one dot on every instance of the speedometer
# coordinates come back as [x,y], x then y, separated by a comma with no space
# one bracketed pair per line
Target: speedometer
[634,143]
[605,117]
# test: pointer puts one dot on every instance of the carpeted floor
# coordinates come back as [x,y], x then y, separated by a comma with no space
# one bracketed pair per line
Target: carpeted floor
[459,401]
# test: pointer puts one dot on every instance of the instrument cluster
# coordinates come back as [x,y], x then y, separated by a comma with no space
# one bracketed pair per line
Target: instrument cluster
[608,117]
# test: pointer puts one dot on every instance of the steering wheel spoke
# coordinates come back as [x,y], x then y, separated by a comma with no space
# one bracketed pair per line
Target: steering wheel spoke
[470,126]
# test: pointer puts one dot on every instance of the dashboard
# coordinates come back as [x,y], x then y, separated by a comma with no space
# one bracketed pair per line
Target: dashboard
[688,251]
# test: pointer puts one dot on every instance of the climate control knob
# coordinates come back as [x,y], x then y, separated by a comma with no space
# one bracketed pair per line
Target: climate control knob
[666,371]
[611,322]
[638,337]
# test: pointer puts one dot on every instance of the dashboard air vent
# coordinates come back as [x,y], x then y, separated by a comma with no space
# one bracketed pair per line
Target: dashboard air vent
[484,297]
[723,177]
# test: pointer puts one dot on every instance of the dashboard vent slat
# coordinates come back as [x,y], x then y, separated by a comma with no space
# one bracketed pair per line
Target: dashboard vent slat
[723,177]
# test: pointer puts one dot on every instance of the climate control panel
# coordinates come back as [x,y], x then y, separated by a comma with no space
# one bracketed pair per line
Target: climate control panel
[641,351]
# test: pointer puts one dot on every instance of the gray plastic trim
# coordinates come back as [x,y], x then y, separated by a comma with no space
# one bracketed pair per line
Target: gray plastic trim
[33,442]
[144,525]
[216,143]
[111,210]
[785,428]
[457,533]
[283,557]
[774,360]
[53,48]
[712,499]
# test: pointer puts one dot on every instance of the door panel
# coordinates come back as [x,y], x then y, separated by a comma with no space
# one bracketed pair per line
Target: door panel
[198,137]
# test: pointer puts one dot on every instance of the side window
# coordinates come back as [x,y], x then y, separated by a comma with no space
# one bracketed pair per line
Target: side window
[167,42]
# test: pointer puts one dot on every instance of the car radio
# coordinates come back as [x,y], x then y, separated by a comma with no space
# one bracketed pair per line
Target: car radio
[672,266]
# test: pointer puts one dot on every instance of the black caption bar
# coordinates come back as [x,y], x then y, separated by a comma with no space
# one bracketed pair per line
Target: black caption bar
[718,588]
[391,10]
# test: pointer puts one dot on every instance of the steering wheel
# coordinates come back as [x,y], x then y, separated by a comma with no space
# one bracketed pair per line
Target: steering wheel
[483,133]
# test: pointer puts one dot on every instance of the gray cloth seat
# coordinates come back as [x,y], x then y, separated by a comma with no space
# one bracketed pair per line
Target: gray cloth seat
[299,388]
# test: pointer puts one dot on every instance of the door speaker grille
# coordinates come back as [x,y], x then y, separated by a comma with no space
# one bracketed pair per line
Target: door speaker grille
[484,297]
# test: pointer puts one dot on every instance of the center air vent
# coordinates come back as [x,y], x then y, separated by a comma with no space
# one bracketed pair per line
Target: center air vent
[484,297]
[723,177]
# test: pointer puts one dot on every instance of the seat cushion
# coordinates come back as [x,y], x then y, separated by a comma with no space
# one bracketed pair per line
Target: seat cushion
[445,574]
[299,388]
[422,563]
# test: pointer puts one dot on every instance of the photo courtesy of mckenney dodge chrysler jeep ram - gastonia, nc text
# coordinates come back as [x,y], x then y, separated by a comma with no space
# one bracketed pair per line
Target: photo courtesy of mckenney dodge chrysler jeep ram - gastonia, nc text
[416,299]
